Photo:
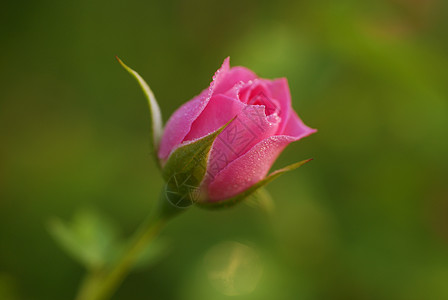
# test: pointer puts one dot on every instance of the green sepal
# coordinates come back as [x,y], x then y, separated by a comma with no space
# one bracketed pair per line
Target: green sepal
[243,195]
[156,130]
[185,169]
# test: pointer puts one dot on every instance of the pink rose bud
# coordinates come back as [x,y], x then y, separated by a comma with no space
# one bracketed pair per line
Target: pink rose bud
[262,124]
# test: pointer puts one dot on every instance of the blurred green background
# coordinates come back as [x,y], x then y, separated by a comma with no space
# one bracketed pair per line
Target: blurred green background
[367,219]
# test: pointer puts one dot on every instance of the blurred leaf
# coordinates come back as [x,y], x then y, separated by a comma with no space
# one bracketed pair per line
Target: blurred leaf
[156,115]
[93,240]
[89,238]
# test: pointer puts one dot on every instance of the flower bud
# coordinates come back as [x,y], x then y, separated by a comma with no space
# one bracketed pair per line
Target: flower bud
[218,147]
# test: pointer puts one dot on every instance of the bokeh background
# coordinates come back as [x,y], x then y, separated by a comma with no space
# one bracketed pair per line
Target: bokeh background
[367,219]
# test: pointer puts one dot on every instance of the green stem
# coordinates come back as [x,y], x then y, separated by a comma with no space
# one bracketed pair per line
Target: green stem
[101,284]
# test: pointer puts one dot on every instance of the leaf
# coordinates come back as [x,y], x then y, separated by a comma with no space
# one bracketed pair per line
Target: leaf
[185,169]
[88,238]
[156,115]
[243,195]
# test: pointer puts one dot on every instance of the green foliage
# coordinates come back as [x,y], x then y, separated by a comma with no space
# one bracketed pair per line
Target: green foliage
[89,238]
[95,242]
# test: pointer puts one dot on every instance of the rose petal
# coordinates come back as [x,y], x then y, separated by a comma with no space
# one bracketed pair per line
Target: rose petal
[180,122]
[220,110]
[249,128]
[247,169]
[254,88]
[295,127]
[234,76]
[280,91]
[253,166]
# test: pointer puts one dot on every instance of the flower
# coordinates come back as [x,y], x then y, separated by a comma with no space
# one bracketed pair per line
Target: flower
[264,124]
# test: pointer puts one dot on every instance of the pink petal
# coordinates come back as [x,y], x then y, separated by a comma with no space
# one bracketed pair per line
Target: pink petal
[220,110]
[253,88]
[234,76]
[249,128]
[180,122]
[280,91]
[296,128]
[248,169]
[251,167]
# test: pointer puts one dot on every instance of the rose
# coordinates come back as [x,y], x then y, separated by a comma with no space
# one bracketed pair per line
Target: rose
[245,150]
[219,147]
